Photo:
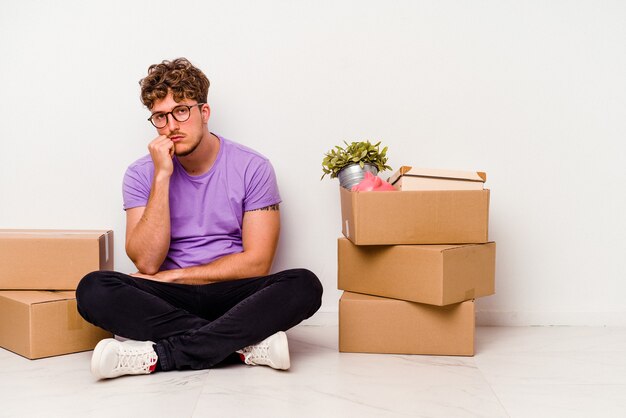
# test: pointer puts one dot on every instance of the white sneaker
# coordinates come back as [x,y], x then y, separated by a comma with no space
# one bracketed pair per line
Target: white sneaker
[272,351]
[112,358]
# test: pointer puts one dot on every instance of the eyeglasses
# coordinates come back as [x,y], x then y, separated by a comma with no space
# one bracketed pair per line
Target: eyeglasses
[180,113]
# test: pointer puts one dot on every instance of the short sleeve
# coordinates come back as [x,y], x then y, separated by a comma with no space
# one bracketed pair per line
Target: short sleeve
[135,189]
[261,186]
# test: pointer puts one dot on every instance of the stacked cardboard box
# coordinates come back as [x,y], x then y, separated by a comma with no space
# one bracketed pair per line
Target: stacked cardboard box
[412,262]
[39,271]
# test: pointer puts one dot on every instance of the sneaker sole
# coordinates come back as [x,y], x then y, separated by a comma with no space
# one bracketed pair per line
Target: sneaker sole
[97,356]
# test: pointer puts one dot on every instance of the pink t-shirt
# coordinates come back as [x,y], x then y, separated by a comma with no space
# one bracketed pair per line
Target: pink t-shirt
[206,211]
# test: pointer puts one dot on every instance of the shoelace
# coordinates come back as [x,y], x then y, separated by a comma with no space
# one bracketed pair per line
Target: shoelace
[131,358]
[255,352]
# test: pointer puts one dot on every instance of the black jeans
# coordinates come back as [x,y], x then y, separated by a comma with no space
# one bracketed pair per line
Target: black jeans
[198,326]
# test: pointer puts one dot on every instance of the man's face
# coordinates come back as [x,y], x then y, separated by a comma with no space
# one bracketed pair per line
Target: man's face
[186,135]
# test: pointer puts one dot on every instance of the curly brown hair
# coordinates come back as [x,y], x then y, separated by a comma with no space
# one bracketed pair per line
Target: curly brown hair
[179,77]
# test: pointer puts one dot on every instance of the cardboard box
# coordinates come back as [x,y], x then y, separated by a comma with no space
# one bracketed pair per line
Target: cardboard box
[370,324]
[39,324]
[415,217]
[409,178]
[52,259]
[433,274]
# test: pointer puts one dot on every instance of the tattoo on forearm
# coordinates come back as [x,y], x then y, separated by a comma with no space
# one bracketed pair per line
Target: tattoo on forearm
[270,207]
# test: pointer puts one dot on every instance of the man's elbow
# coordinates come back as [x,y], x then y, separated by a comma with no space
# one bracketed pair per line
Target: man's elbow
[262,272]
[143,264]
[262,267]
[146,268]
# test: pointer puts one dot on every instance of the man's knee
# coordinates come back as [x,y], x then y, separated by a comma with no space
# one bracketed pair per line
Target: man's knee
[91,291]
[309,288]
[88,286]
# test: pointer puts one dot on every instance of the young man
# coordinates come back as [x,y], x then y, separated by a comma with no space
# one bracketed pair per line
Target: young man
[202,226]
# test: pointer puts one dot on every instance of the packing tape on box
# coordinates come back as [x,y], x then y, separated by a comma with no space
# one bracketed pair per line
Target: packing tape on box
[470,294]
[74,320]
[106,248]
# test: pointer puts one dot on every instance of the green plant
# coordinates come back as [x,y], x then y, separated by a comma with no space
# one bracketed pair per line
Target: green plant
[361,153]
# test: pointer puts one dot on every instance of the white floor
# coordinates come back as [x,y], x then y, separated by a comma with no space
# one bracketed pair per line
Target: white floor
[517,372]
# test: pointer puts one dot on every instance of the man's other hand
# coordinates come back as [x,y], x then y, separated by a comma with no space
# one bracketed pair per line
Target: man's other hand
[170,276]
[162,276]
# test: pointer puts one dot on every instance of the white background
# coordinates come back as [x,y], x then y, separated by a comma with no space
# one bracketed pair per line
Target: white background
[532,92]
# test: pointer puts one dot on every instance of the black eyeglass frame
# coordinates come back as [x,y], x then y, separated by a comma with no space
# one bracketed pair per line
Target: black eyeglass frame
[171,112]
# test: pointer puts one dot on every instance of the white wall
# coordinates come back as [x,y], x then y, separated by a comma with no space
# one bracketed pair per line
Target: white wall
[532,92]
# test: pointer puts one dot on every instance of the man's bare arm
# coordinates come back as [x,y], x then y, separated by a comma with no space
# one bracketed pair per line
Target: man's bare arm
[148,228]
[260,232]
[148,231]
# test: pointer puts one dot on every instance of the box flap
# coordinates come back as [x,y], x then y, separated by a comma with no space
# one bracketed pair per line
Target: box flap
[31,297]
[477,176]
[437,248]
[106,251]
[401,171]
[456,246]
[51,233]
[359,296]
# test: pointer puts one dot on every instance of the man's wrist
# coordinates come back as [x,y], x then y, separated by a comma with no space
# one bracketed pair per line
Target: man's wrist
[174,276]
[162,176]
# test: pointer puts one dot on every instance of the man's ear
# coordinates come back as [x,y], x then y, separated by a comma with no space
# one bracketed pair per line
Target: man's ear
[206,113]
